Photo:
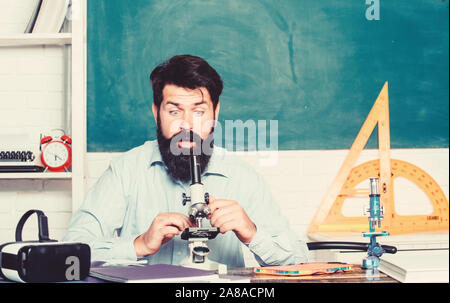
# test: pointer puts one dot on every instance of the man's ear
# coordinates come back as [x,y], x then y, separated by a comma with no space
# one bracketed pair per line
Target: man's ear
[155,112]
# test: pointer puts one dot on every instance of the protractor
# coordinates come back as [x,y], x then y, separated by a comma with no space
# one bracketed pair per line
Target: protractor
[393,222]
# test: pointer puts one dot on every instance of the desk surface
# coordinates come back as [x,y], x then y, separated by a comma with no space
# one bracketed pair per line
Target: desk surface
[356,275]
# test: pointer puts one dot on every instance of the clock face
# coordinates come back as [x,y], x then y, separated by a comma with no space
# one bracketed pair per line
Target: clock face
[55,154]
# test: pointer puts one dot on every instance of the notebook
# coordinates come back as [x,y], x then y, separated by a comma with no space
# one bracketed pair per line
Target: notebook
[33,16]
[51,16]
[430,266]
[159,273]
[303,269]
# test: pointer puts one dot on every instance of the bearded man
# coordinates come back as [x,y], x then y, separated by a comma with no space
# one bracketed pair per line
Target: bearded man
[135,210]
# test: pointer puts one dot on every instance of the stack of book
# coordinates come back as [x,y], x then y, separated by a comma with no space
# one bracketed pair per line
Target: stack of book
[48,16]
[426,266]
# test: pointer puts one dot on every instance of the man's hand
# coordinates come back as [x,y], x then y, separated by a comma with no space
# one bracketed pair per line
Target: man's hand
[163,228]
[229,215]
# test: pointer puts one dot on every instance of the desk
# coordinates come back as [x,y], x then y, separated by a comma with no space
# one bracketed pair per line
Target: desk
[357,275]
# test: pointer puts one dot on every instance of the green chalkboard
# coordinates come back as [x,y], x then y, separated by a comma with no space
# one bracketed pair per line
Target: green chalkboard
[314,66]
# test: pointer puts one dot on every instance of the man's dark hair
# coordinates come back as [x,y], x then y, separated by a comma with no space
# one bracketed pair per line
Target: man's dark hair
[188,72]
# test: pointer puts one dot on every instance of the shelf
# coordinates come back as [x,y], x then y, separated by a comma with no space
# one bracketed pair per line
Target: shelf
[35,39]
[34,176]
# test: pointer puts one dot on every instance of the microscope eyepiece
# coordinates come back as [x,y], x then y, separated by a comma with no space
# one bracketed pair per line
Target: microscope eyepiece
[195,170]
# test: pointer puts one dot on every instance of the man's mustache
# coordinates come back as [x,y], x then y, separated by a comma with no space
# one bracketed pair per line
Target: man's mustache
[186,135]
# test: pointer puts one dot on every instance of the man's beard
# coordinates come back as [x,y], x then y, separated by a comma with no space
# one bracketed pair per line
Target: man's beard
[178,164]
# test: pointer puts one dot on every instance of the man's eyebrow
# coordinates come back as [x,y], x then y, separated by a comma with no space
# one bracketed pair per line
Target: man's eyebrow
[178,104]
[200,103]
[173,103]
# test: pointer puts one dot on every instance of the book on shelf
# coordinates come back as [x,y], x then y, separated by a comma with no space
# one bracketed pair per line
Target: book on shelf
[417,266]
[51,16]
[32,22]
[19,152]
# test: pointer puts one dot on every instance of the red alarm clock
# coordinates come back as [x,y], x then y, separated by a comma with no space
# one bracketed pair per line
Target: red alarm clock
[56,153]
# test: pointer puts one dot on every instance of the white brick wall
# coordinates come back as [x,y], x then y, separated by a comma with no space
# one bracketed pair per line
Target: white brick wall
[32,87]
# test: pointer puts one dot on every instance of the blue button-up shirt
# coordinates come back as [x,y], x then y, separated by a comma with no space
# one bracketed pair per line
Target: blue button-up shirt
[136,187]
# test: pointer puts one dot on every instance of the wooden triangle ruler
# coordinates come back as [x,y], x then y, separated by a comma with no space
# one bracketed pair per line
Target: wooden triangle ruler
[329,217]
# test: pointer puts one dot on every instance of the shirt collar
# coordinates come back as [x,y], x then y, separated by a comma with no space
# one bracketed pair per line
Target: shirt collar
[155,155]
[215,165]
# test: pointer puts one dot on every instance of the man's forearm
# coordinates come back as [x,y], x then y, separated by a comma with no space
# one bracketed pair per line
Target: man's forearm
[280,249]
[140,247]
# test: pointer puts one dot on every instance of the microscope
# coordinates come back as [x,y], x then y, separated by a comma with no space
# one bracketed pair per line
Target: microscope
[375,250]
[198,236]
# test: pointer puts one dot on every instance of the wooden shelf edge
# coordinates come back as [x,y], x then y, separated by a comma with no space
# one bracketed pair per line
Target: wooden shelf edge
[36,39]
[43,176]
